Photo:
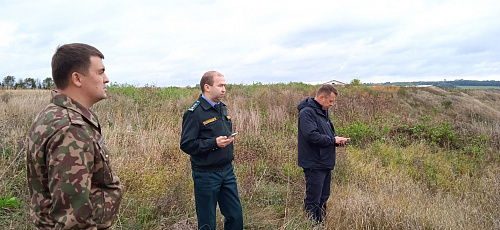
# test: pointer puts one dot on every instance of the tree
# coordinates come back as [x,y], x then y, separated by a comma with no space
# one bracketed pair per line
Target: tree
[47,83]
[29,83]
[355,82]
[9,81]
[38,83]
[19,84]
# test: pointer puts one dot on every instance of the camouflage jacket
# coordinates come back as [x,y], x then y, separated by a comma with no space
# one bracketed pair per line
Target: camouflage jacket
[71,183]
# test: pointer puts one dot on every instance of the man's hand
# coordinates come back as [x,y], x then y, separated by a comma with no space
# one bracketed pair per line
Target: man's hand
[341,141]
[223,141]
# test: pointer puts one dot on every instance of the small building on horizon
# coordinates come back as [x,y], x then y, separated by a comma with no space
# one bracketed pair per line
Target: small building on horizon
[335,82]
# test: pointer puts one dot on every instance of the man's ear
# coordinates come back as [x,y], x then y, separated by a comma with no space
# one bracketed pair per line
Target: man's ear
[206,87]
[76,79]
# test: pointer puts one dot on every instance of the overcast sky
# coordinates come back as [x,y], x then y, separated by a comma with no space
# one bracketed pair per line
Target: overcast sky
[172,43]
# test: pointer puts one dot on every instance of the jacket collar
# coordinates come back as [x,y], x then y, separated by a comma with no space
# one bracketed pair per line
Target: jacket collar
[205,104]
[318,107]
[64,101]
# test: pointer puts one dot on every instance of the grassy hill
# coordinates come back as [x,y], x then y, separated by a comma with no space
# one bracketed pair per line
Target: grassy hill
[420,158]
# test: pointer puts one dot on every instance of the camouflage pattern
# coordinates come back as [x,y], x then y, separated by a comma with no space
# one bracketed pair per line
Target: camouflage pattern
[71,183]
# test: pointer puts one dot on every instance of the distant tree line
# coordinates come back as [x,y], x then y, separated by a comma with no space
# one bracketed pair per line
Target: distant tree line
[10,82]
[475,83]
[444,84]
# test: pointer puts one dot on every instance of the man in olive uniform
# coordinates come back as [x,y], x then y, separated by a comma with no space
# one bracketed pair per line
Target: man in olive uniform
[206,130]
[71,183]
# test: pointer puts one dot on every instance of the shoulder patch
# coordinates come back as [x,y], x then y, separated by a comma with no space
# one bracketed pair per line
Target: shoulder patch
[194,105]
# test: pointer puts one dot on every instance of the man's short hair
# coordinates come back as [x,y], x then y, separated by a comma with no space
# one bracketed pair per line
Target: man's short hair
[327,90]
[72,58]
[208,78]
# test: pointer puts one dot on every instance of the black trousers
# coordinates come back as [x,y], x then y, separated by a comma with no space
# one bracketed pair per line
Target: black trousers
[317,192]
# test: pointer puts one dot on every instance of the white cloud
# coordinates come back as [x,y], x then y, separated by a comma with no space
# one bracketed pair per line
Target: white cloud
[7,33]
[175,42]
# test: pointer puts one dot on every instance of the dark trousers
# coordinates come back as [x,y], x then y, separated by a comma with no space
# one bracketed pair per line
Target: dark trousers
[317,192]
[211,188]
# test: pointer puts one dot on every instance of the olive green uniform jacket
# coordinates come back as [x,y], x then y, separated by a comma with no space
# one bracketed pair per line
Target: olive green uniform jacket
[71,183]
[201,125]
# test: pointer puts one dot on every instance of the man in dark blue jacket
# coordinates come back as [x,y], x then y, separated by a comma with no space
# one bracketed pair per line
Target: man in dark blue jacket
[206,137]
[316,148]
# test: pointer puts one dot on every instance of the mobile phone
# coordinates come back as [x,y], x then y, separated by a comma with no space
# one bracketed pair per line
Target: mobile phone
[234,134]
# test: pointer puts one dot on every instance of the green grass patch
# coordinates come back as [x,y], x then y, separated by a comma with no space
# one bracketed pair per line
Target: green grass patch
[9,202]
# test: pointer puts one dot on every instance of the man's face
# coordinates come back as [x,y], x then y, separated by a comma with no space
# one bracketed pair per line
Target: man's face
[215,93]
[327,101]
[94,82]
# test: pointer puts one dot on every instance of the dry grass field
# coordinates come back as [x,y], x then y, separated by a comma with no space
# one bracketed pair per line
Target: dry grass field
[420,158]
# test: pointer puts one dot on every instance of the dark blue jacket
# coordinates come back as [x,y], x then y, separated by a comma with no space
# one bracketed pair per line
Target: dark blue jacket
[316,137]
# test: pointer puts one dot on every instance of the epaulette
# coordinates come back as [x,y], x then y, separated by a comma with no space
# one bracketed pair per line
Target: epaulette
[194,105]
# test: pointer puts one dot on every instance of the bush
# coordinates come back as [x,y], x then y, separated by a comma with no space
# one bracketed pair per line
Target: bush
[361,134]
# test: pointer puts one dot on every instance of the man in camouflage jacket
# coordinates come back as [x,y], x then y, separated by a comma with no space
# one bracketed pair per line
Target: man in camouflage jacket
[71,183]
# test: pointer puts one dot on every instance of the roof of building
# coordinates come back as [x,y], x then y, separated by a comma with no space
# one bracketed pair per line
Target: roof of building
[335,82]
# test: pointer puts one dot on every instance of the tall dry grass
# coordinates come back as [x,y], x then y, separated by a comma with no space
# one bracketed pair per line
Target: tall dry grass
[17,111]
[406,170]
